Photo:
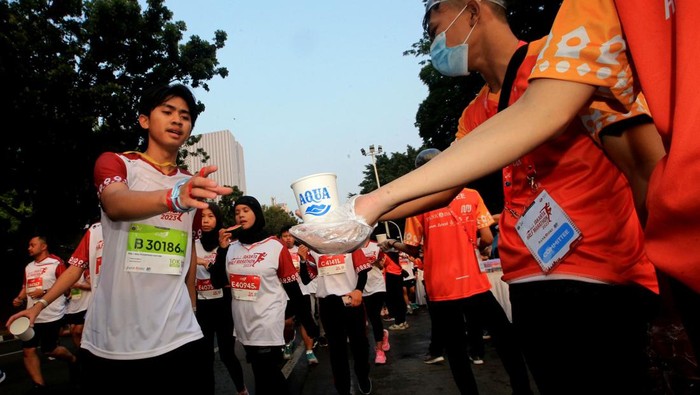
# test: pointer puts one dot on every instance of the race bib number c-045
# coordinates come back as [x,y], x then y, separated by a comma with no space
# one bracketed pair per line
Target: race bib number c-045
[155,249]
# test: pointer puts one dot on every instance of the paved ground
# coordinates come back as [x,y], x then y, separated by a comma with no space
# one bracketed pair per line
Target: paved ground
[405,373]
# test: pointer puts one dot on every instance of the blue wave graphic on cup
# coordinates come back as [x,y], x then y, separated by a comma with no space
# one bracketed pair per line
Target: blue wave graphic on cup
[318,209]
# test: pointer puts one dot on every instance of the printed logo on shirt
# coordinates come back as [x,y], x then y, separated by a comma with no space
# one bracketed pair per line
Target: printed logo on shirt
[249,260]
[172,216]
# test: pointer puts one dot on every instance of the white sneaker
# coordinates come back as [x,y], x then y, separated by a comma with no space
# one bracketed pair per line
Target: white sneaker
[476,360]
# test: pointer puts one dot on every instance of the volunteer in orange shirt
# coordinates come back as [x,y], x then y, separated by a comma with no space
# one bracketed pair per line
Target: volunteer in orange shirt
[458,290]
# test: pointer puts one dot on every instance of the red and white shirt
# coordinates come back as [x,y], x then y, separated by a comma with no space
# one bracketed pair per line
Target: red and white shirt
[43,275]
[256,273]
[141,307]
[337,274]
[375,277]
[88,256]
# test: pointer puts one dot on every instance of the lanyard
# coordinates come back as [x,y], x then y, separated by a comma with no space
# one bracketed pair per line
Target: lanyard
[526,161]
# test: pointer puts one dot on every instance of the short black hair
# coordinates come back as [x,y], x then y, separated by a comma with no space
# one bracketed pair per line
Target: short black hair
[285,228]
[157,95]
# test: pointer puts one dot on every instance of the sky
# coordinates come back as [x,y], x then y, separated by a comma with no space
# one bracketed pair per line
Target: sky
[310,84]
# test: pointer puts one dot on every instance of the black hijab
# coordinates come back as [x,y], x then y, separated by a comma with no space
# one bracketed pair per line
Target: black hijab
[257,231]
[210,240]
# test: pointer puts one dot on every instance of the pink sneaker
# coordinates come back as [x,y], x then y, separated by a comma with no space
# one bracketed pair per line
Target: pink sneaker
[380,359]
[385,341]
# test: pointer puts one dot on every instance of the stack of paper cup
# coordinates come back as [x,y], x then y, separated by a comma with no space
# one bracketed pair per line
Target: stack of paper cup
[20,328]
[316,195]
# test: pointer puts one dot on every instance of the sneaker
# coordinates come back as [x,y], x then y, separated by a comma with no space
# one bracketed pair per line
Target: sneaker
[414,306]
[385,341]
[311,357]
[486,335]
[476,360]
[399,327]
[388,318]
[431,359]
[3,376]
[287,353]
[409,309]
[380,358]
[322,341]
[365,389]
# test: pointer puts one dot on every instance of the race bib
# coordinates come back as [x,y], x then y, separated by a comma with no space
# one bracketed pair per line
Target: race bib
[245,287]
[547,231]
[329,265]
[34,284]
[155,249]
[205,290]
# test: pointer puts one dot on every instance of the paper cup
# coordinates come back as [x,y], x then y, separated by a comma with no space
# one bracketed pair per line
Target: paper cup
[20,328]
[316,195]
[381,237]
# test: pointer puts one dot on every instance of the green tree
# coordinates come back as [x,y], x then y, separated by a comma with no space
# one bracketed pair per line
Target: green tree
[73,72]
[276,218]
[226,205]
[438,115]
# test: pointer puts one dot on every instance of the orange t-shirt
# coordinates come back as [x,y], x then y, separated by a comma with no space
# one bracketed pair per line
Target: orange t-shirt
[449,237]
[583,181]
[662,38]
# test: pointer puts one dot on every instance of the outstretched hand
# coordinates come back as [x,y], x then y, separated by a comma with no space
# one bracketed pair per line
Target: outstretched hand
[199,188]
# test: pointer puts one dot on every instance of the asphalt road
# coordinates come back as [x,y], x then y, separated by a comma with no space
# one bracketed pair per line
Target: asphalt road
[405,373]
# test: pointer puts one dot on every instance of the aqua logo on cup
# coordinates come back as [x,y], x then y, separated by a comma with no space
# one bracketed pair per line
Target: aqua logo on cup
[316,195]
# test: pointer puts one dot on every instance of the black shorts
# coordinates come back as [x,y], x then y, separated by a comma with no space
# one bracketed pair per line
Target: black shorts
[75,318]
[409,283]
[45,335]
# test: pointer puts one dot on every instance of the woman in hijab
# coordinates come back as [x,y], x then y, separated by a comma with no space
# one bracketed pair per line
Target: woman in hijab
[214,301]
[261,275]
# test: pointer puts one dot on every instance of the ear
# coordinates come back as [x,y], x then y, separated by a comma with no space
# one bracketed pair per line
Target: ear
[474,10]
[144,121]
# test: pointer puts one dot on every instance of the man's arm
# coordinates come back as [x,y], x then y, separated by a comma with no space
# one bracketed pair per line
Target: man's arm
[61,286]
[122,204]
[544,111]
[190,278]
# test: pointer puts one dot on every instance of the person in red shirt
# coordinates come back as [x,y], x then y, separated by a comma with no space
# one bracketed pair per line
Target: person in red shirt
[458,290]
[39,276]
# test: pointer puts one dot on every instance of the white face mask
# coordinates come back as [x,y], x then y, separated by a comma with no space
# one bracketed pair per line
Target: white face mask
[451,61]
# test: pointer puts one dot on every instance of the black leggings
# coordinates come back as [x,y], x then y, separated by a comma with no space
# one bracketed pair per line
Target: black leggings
[215,319]
[342,323]
[394,297]
[373,307]
[269,379]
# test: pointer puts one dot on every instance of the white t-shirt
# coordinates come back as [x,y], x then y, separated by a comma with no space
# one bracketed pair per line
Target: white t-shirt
[407,265]
[296,259]
[141,307]
[205,290]
[256,273]
[88,255]
[42,275]
[337,274]
[375,277]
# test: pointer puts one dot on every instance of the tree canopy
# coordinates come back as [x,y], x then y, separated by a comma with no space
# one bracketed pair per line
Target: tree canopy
[438,115]
[73,72]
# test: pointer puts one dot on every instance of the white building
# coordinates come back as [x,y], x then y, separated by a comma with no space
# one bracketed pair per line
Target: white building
[226,153]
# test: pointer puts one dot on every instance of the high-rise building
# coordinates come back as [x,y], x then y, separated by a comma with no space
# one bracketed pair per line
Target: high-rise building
[225,152]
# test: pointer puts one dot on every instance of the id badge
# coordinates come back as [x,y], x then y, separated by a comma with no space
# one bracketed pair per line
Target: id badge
[547,231]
